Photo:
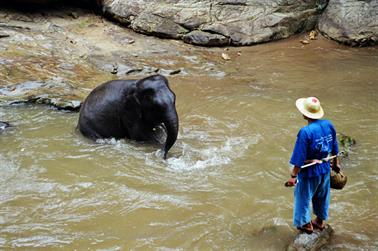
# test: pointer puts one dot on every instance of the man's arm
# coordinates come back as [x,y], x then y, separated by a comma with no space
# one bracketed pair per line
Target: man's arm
[335,165]
[293,176]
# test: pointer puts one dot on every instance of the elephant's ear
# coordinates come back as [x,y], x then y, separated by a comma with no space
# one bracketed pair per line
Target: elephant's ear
[132,107]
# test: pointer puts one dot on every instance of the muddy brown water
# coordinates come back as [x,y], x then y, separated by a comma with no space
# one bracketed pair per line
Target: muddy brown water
[222,186]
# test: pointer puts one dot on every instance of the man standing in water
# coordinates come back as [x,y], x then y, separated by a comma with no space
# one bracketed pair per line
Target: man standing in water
[314,142]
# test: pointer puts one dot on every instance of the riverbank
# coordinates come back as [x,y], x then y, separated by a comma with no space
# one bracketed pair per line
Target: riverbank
[57,56]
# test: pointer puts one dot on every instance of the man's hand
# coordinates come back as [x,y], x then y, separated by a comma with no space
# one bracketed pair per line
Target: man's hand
[291,182]
[335,165]
[336,168]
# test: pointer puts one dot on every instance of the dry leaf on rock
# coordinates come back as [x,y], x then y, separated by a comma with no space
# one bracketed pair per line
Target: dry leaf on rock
[313,35]
[225,56]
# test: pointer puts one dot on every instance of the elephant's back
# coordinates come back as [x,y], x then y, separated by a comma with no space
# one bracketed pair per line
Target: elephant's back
[102,106]
[108,93]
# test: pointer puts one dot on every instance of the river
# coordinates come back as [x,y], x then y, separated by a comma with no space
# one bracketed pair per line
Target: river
[222,185]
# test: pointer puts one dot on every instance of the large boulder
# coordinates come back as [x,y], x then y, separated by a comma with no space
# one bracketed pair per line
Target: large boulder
[213,23]
[352,22]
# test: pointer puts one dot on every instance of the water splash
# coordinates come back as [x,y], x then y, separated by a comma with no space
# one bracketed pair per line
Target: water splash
[194,157]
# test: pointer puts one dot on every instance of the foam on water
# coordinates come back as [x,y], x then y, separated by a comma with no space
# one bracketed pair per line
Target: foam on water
[194,157]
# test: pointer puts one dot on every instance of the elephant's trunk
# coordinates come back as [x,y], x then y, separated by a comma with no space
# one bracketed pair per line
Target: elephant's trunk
[171,123]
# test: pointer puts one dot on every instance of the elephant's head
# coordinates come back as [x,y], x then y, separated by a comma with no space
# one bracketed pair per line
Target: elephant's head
[158,105]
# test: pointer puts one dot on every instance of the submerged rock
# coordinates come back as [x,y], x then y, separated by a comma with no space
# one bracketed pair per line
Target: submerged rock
[3,125]
[351,22]
[311,242]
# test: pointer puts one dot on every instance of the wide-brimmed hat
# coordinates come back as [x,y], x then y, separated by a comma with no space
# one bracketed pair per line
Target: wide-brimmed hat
[310,107]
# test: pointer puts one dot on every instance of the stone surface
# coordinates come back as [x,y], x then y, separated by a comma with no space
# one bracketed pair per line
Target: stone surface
[311,242]
[214,23]
[159,26]
[54,92]
[205,39]
[54,58]
[3,126]
[351,22]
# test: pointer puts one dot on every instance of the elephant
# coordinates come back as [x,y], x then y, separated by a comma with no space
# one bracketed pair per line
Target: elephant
[131,109]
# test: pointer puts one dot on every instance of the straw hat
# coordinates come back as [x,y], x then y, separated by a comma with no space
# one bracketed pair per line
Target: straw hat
[310,107]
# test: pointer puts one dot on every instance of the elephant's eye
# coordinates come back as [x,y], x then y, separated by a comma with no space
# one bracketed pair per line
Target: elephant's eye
[145,96]
[148,93]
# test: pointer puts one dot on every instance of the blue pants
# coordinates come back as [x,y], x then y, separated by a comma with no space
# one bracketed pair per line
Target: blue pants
[315,189]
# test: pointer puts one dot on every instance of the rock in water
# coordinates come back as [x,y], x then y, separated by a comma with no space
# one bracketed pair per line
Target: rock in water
[311,242]
[3,125]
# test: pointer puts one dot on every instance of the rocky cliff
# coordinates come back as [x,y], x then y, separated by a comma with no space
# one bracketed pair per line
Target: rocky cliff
[351,22]
[217,23]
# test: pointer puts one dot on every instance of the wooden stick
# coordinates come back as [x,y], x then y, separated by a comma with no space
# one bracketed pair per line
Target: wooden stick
[311,164]
[324,159]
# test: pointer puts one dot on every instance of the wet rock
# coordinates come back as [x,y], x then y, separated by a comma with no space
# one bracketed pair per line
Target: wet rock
[12,26]
[351,22]
[149,70]
[151,24]
[127,70]
[120,38]
[346,142]
[20,89]
[4,125]
[3,35]
[217,23]
[114,69]
[130,69]
[311,242]
[169,72]
[54,92]
[205,39]
[61,103]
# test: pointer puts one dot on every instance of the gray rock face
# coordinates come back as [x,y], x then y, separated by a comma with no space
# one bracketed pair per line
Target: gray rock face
[214,23]
[204,38]
[54,92]
[3,125]
[351,22]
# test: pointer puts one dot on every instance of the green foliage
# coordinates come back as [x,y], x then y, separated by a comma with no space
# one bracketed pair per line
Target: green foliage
[346,142]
